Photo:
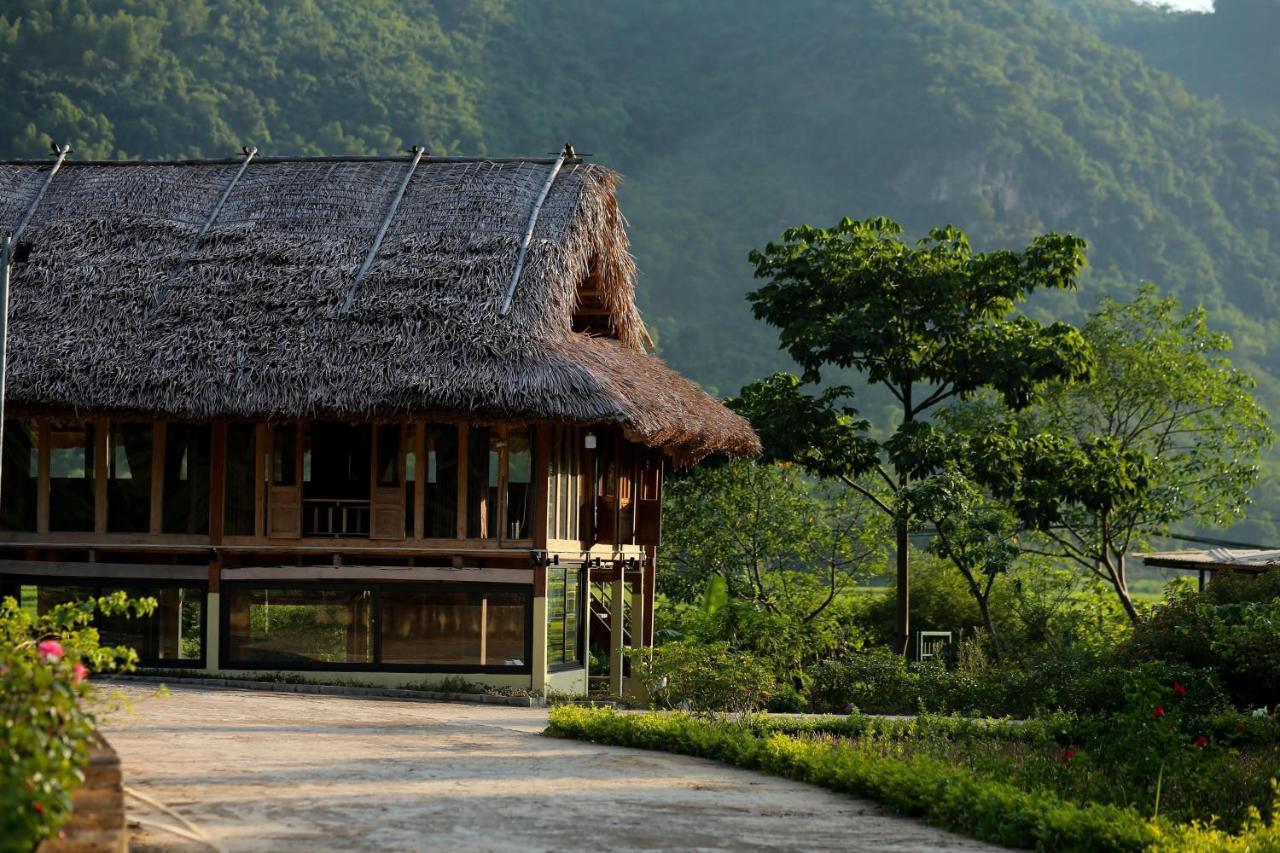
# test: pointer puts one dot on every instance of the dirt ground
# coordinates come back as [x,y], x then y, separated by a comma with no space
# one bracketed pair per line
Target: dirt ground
[279,771]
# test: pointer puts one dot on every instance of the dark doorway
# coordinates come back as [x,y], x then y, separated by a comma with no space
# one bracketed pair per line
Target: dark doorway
[336,479]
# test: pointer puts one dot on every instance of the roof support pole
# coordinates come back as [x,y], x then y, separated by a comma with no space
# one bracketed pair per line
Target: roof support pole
[62,151]
[533,222]
[418,153]
[163,290]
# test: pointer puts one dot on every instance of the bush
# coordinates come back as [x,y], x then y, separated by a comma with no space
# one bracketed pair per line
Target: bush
[943,794]
[697,676]
[45,731]
[1229,629]
[1079,682]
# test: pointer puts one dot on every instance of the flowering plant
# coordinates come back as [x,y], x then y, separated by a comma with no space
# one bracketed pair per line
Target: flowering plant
[45,729]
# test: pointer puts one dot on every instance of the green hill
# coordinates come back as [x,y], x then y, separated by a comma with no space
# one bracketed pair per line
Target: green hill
[733,119]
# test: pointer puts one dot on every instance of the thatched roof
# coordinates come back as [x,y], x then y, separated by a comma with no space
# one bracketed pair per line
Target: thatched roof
[106,316]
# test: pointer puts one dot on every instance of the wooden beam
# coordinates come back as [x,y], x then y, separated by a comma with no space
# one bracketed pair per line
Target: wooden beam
[464,464]
[42,486]
[102,445]
[158,434]
[217,482]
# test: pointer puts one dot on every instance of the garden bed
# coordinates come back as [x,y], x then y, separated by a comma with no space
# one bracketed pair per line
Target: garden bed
[1016,785]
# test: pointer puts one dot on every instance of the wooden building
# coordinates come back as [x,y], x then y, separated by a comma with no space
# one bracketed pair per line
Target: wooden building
[389,418]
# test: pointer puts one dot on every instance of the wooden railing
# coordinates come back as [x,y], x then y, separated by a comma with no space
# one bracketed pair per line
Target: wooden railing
[339,518]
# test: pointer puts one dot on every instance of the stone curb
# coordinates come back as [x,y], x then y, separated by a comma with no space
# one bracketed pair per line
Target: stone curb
[333,690]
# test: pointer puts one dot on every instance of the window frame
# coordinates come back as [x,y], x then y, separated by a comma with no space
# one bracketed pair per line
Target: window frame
[579,662]
[377,590]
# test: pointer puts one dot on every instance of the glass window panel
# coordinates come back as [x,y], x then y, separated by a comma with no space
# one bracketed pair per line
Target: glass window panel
[441,490]
[571,610]
[555,615]
[300,626]
[504,629]
[21,480]
[173,633]
[129,478]
[519,482]
[186,478]
[71,478]
[431,627]
[284,455]
[240,509]
[482,483]
[410,477]
[389,455]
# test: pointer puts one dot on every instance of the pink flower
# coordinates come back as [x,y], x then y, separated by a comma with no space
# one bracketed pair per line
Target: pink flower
[1066,755]
[1158,711]
[80,672]
[51,650]
[1200,742]
[1179,690]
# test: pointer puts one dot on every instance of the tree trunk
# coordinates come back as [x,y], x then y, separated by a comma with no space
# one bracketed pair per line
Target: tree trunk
[984,605]
[904,587]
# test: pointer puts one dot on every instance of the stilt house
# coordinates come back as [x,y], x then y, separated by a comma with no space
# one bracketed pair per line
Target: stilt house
[378,417]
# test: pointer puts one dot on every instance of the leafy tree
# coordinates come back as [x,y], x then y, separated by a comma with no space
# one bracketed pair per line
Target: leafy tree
[1167,431]
[927,323]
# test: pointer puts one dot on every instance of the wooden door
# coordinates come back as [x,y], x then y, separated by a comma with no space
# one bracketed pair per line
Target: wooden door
[387,517]
[649,503]
[284,481]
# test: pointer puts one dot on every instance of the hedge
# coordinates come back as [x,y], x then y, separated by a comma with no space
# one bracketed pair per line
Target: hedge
[942,794]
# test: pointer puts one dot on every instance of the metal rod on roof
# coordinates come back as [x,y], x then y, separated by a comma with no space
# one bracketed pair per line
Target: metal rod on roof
[419,152]
[62,151]
[249,153]
[533,222]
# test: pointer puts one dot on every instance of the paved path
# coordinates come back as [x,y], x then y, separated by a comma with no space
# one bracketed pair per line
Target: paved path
[280,771]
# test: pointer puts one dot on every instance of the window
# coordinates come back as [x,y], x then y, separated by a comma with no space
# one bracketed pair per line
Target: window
[441,487]
[483,452]
[519,482]
[428,626]
[284,455]
[186,478]
[21,468]
[129,478]
[564,610]
[240,510]
[283,627]
[71,478]
[173,635]
[389,455]
[410,478]
[564,487]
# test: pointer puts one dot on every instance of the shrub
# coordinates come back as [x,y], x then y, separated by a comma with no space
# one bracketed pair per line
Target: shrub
[1230,629]
[45,731]
[706,677]
[950,796]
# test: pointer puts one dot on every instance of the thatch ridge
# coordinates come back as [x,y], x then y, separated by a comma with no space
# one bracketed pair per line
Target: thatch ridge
[251,325]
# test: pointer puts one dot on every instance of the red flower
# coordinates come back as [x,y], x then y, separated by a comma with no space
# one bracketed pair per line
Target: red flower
[1066,755]
[1239,728]
[79,673]
[1179,690]
[1158,712]
[39,808]
[1201,742]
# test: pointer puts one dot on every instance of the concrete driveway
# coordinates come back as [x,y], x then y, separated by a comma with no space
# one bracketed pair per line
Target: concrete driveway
[280,771]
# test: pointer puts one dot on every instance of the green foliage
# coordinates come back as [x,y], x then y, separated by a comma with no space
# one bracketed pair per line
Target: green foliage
[698,676]
[950,796]
[1229,629]
[1167,431]
[46,730]
[769,559]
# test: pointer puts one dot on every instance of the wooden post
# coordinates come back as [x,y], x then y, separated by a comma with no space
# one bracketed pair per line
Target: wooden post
[42,496]
[464,471]
[158,434]
[617,627]
[261,470]
[217,482]
[420,480]
[102,446]
[540,484]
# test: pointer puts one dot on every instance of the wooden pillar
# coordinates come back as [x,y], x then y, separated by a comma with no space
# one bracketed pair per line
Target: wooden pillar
[636,627]
[102,445]
[617,627]
[42,486]
[650,588]
[158,434]
[217,482]
[464,471]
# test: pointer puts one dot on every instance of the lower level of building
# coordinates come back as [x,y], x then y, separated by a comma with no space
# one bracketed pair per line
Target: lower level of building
[536,628]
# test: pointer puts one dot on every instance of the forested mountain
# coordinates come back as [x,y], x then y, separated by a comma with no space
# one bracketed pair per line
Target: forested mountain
[1151,134]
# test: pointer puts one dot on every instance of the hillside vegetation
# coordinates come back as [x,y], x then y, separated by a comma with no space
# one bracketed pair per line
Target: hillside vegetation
[1151,134]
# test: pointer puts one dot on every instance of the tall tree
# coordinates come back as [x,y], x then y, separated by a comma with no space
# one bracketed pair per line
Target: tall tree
[1167,431]
[928,322]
